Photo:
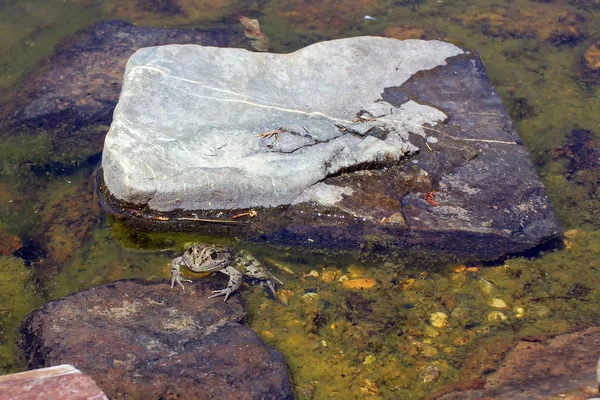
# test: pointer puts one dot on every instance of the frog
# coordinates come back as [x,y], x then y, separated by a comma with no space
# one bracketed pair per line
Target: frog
[201,257]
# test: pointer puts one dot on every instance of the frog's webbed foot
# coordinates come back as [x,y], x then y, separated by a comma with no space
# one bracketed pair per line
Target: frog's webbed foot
[259,272]
[235,280]
[176,273]
[271,285]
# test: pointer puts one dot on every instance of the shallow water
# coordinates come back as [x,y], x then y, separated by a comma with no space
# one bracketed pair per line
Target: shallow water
[342,343]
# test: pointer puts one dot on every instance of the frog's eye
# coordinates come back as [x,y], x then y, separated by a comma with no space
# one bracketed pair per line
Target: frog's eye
[213,254]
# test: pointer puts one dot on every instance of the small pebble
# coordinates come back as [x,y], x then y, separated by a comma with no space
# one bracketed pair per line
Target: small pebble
[309,296]
[360,283]
[430,373]
[520,312]
[498,303]
[496,316]
[486,286]
[330,276]
[407,284]
[439,319]
[459,268]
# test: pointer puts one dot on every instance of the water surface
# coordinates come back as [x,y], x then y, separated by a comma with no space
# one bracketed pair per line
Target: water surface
[381,341]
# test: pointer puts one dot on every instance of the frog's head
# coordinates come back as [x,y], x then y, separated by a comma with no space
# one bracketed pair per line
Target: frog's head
[201,252]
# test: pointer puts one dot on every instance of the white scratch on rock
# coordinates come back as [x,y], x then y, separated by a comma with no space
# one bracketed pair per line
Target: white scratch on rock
[250,103]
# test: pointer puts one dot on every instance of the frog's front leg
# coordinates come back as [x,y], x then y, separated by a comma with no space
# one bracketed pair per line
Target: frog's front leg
[176,272]
[235,280]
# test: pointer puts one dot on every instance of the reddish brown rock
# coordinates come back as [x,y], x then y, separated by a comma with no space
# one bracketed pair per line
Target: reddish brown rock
[150,341]
[60,382]
[561,367]
[592,57]
[9,243]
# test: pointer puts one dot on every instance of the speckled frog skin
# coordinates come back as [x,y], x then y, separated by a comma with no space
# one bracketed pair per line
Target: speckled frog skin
[201,257]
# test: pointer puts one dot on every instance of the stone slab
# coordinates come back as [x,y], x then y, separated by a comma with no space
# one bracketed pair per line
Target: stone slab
[401,143]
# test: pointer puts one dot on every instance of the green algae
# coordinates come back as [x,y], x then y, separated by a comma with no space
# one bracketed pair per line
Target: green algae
[31,29]
[115,251]
[131,238]
[103,260]
[19,153]
[381,341]
[18,296]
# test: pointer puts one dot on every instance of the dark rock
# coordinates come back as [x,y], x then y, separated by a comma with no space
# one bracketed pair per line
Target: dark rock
[580,156]
[150,341]
[60,382]
[66,223]
[561,367]
[73,93]
[471,191]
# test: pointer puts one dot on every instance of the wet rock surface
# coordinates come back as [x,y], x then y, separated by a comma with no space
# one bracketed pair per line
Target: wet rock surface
[73,93]
[150,341]
[560,367]
[471,191]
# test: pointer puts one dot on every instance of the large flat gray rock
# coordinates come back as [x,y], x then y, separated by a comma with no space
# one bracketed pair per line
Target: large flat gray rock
[367,139]
[186,131]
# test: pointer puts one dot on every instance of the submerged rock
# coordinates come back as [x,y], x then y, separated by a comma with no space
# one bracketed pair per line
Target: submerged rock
[68,97]
[9,244]
[561,367]
[319,148]
[150,341]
